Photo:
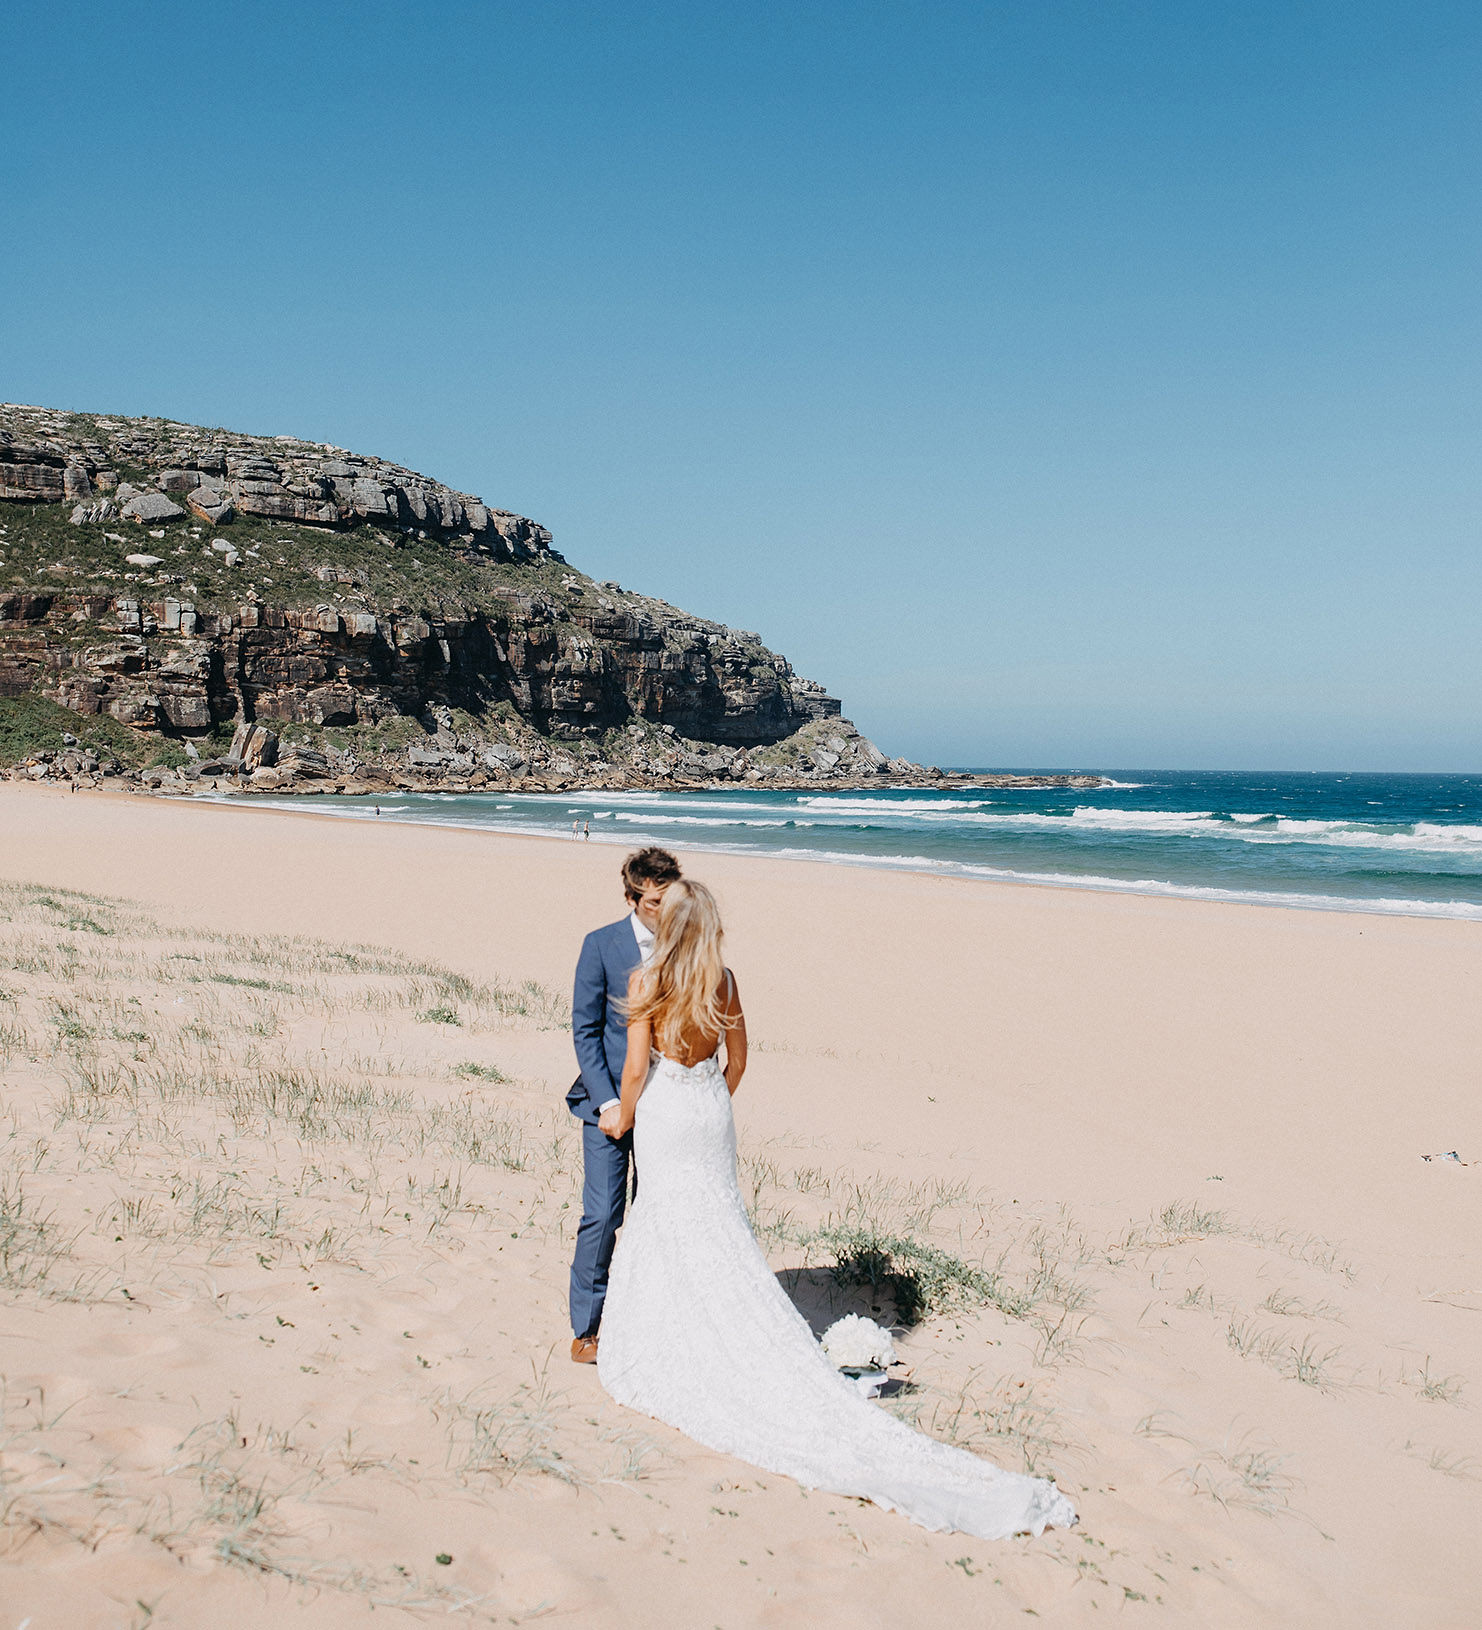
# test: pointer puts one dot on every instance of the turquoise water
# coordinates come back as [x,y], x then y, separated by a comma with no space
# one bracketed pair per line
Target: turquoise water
[1396,843]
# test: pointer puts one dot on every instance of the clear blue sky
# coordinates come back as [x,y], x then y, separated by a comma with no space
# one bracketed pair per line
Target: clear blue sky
[1061,384]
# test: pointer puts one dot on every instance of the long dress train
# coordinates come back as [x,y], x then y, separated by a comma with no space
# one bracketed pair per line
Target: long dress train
[698,1333]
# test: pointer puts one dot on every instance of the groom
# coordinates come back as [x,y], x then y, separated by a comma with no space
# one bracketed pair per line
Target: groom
[608,956]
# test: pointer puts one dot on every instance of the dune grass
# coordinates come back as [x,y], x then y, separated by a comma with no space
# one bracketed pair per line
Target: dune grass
[210,1124]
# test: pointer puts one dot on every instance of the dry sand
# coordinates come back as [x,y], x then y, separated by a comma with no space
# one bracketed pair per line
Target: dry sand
[283,1249]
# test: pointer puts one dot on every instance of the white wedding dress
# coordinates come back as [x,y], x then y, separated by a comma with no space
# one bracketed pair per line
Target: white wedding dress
[697,1332]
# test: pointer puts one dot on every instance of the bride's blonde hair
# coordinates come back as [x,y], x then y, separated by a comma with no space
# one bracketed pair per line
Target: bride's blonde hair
[679,988]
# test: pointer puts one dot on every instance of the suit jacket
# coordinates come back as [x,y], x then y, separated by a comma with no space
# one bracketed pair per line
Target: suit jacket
[598,1026]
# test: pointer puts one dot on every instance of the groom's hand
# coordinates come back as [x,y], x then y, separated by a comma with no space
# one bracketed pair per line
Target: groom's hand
[609,1121]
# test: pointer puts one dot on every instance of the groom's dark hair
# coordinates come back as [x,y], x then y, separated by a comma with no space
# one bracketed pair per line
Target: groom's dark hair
[646,867]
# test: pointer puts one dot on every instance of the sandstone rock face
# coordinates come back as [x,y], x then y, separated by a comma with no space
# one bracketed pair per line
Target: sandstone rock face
[32,472]
[551,663]
[175,666]
[220,472]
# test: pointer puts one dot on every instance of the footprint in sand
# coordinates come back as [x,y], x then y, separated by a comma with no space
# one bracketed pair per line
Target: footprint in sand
[385,1409]
[124,1345]
[526,1580]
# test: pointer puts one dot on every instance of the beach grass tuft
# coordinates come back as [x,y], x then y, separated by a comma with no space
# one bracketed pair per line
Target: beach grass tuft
[921,1280]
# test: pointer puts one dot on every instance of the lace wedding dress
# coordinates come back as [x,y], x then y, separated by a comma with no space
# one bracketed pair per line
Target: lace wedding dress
[697,1332]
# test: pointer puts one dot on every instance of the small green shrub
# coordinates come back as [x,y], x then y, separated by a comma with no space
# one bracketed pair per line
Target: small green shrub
[479,1072]
[920,1279]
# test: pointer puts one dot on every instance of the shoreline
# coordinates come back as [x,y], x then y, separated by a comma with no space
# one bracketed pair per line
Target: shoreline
[1153,888]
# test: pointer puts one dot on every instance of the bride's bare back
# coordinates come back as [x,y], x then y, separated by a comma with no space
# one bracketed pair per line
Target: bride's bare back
[691,1046]
[688,1046]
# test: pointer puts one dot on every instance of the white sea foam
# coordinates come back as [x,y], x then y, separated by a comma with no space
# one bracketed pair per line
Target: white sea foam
[432,809]
[912,806]
[691,820]
[677,812]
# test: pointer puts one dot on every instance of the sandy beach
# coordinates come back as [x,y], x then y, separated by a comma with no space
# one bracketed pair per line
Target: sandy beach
[286,1226]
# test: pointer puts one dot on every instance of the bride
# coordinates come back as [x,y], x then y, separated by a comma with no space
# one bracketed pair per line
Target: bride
[696,1331]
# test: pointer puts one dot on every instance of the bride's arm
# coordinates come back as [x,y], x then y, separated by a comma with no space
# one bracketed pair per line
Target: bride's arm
[635,1072]
[735,1037]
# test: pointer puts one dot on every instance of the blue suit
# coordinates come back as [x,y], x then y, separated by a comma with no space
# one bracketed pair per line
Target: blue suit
[600,1031]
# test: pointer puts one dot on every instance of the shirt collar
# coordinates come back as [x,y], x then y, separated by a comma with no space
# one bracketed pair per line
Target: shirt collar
[642,933]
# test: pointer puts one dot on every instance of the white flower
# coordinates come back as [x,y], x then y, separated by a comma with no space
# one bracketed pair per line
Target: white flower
[853,1343]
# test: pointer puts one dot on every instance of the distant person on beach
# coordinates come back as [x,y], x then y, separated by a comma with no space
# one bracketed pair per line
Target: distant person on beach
[575,828]
[600,1030]
[586,830]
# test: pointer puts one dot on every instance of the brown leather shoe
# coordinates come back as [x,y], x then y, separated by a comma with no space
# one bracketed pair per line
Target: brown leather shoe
[584,1350]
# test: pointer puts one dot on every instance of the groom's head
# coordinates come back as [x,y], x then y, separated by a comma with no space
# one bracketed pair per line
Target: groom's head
[646,874]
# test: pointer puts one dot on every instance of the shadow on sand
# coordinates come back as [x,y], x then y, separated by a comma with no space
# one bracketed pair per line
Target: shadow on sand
[821,1299]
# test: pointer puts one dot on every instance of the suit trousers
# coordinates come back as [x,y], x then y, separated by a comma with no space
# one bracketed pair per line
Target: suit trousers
[604,1199]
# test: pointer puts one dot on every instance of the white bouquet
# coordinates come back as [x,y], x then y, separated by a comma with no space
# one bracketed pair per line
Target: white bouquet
[854,1343]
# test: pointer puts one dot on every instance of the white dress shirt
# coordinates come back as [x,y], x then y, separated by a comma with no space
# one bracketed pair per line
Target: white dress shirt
[645,937]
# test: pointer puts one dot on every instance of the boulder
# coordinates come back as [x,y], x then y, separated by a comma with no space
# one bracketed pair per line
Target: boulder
[304,761]
[143,560]
[210,504]
[150,506]
[77,486]
[100,510]
[253,745]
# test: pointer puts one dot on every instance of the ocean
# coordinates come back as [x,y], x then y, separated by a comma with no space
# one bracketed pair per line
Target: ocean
[1407,844]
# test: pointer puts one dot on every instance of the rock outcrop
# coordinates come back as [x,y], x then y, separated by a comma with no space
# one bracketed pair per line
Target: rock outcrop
[372,614]
[52,456]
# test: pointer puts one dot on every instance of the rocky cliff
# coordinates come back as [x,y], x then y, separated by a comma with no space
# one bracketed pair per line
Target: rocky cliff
[214,590]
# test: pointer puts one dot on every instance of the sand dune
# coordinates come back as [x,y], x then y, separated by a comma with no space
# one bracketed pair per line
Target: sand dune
[287,1197]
